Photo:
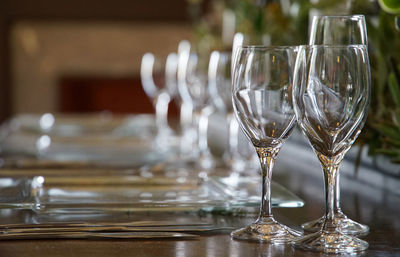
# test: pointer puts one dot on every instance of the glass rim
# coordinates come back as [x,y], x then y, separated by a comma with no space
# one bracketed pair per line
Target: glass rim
[265,47]
[340,16]
[333,46]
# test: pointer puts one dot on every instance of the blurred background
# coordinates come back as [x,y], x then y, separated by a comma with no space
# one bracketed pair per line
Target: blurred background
[84,56]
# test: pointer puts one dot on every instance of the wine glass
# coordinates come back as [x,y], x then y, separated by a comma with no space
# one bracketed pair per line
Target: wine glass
[338,30]
[193,89]
[219,80]
[156,77]
[262,101]
[188,134]
[331,95]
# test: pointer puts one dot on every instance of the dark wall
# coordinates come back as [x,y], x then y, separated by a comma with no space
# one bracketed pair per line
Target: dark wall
[112,10]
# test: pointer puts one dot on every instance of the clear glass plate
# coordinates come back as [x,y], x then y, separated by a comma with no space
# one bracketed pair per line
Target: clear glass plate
[96,150]
[94,191]
[83,124]
[94,139]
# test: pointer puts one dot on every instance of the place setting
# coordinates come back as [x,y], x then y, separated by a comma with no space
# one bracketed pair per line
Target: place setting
[225,156]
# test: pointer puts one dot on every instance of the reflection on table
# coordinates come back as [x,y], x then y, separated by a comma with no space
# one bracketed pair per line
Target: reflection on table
[97,168]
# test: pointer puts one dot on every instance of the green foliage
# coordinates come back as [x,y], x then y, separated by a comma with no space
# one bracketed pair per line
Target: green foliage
[394,90]
[269,22]
[389,125]
[390,6]
[382,132]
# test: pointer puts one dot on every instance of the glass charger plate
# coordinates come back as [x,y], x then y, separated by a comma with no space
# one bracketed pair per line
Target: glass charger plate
[125,140]
[107,149]
[94,191]
[83,124]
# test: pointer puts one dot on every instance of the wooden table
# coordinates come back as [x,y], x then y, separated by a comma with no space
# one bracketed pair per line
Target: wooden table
[362,200]
[376,207]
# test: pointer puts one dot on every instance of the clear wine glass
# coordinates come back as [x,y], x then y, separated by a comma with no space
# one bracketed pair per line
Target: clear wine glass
[331,96]
[220,81]
[262,101]
[338,30]
[193,88]
[188,133]
[156,78]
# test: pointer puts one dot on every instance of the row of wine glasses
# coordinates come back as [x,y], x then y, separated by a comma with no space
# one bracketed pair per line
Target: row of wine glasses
[200,85]
[162,82]
[325,87]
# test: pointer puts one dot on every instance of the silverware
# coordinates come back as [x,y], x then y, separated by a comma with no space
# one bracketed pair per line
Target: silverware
[108,229]
[141,226]
[89,235]
[147,223]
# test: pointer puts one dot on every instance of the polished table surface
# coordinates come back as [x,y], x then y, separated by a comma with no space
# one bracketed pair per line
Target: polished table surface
[376,207]
[362,199]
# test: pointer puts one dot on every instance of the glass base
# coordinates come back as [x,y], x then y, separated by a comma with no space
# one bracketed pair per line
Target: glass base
[266,230]
[206,161]
[330,242]
[235,164]
[345,225]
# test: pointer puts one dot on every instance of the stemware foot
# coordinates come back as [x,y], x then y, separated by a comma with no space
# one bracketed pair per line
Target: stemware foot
[266,230]
[330,242]
[345,225]
[206,162]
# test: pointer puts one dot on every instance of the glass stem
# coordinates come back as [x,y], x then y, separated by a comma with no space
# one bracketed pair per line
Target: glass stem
[233,140]
[337,194]
[186,116]
[331,178]
[187,130]
[203,129]
[161,105]
[205,158]
[267,158]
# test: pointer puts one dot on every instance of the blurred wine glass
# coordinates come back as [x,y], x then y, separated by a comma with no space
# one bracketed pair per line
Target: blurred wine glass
[338,30]
[193,89]
[220,86]
[157,76]
[188,132]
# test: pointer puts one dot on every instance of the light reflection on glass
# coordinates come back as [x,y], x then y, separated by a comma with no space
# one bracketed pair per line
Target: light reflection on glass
[46,121]
[43,143]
